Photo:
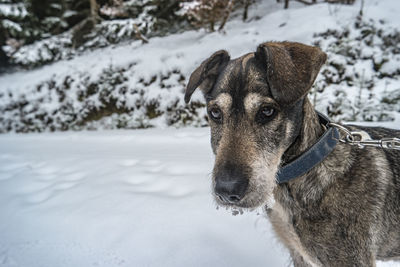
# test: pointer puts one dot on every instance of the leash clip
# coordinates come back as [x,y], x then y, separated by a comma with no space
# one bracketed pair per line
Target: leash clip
[362,139]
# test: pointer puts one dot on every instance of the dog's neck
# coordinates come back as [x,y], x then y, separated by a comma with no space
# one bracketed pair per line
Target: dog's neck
[292,193]
[307,135]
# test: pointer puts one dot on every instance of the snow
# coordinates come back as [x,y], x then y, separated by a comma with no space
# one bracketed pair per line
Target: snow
[11,25]
[137,65]
[122,198]
[143,198]
[13,10]
[186,50]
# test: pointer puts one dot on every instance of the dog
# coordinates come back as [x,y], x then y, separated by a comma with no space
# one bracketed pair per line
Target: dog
[345,210]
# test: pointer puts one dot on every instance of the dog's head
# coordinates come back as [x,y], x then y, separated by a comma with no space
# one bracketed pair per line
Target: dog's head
[254,106]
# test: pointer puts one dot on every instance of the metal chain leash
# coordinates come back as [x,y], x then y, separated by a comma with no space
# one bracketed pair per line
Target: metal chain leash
[362,139]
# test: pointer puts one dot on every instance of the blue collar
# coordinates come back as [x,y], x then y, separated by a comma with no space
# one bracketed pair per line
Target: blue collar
[313,156]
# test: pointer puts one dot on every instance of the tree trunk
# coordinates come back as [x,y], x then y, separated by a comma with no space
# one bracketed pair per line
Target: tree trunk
[286,4]
[3,59]
[228,11]
[246,9]
[3,56]
[362,8]
[94,10]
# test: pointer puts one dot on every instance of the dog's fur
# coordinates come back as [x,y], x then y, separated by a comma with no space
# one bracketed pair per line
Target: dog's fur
[346,210]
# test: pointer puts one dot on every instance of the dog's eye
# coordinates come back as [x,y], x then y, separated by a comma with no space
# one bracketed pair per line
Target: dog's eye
[267,111]
[265,114]
[216,114]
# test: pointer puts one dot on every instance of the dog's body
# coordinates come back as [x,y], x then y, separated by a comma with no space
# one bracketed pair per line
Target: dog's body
[343,212]
[346,210]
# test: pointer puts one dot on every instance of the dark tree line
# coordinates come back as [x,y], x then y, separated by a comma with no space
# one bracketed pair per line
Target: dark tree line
[25,21]
[22,22]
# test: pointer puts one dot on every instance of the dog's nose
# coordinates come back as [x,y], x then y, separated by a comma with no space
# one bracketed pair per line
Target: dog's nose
[231,191]
[231,186]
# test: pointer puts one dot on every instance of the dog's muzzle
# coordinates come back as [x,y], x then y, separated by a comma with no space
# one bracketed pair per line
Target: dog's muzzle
[230,185]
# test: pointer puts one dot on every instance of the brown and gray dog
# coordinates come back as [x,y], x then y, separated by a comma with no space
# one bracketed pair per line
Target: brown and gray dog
[343,212]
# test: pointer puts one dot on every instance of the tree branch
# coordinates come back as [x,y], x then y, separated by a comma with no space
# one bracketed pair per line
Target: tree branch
[139,35]
[227,13]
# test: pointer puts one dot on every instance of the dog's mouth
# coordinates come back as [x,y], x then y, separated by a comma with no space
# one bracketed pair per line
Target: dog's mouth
[248,190]
[254,198]
[244,206]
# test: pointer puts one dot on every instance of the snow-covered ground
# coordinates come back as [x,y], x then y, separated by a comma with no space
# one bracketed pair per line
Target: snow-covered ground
[122,198]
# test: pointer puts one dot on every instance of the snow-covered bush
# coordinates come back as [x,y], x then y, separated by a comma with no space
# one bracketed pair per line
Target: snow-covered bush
[362,73]
[129,21]
[114,99]
[359,82]
[44,51]
[62,46]
[207,13]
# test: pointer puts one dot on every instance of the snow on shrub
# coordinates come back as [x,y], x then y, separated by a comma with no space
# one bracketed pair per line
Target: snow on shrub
[114,99]
[360,81]
[131,20]
[44,51]
[62,47]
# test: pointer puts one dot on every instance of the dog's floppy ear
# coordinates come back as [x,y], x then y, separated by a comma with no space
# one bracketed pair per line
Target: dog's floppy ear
[206,74]
[291,68]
